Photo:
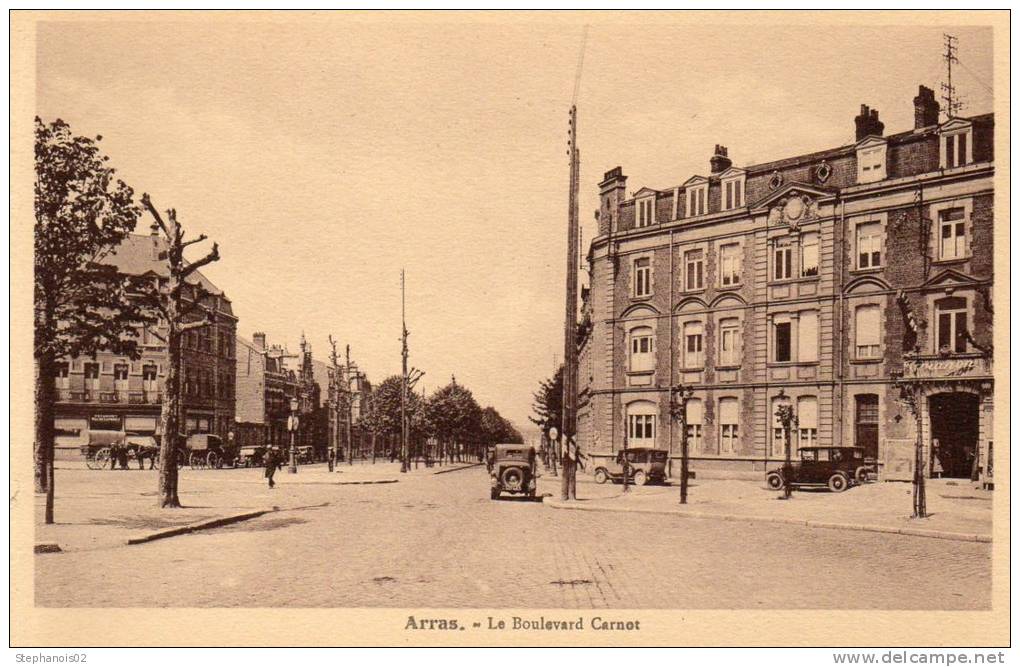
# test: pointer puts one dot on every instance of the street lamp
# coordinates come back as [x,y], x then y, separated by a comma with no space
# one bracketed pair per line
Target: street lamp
[292,425]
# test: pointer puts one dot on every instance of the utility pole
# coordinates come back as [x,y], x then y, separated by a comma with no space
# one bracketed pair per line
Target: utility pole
[349,407]
[568,489]
[403,381]
[953,103]
[335,401]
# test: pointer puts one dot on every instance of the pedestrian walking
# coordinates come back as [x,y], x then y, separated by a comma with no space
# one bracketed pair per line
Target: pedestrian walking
[272,462]
[331,458]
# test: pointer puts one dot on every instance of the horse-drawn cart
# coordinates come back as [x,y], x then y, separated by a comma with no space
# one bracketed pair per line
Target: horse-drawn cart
[119,446]
[206,450]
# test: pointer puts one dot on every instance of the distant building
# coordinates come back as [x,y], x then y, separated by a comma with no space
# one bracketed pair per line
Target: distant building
[814,281]
[268,377]
[113,392]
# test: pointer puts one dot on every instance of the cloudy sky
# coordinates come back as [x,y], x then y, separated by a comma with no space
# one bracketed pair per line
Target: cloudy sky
[326,152]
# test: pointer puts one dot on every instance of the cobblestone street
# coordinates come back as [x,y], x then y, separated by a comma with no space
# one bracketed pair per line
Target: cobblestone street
[438,541]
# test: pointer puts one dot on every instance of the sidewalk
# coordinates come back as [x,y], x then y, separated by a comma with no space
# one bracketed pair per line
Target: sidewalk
[98,509]
[958,510]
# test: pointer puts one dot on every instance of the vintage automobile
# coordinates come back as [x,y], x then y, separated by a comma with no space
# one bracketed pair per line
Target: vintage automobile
[835,467]
[644,465]
[512,470]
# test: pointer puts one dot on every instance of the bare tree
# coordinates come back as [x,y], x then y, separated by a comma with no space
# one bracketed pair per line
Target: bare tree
[182,305]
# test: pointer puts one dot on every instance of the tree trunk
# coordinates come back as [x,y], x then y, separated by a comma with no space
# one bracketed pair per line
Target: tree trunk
[44,430]
[170,417]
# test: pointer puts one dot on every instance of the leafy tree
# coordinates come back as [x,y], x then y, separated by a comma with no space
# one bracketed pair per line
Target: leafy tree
[548,404]
[496,429]
[82,305]
[457,418]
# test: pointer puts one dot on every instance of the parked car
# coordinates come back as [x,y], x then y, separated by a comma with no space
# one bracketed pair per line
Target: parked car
[835,467]
[512,470]
[644,465]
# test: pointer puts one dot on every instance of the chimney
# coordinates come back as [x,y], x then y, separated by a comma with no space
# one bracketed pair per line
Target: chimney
[867,123]
[612,191]
[720,162]
[154,240]
[926,108]
[259,340]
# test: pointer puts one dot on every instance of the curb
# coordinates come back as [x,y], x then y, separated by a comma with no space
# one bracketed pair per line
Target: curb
[201,525]
[470,465]
[913,532]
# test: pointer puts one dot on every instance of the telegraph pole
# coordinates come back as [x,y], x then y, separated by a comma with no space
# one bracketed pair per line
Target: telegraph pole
[349,407]
[568,489]
[403,381]
[334,401]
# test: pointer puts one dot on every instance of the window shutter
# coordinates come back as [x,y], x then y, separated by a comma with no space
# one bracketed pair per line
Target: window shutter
[807,412]
[867,325]
[695,411]
[807,336]
[728,411]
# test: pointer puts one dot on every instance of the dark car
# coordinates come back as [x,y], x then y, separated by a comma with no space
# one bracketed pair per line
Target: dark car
[512,470]
[834,467]
[644,465]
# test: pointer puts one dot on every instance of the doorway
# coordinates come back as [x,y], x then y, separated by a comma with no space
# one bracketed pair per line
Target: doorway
[954,434]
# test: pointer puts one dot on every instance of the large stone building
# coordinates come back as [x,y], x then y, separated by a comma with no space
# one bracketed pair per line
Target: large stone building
[815,281]
[113,392]
[267,378]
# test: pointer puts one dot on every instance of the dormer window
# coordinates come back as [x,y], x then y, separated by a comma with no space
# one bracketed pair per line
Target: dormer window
[732,181]
[956,144]
[645,212]
[871,160]
[697,199]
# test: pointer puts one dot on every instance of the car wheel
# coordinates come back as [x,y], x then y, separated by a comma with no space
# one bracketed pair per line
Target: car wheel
[601,476]
[838,483]
[861,475]
[640,478]
[774,481]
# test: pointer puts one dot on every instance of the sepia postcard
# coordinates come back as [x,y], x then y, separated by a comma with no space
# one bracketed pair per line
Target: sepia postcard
[506,328]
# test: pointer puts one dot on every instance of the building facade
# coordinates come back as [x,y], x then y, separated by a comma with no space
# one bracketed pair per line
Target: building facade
[113,392]
[268,378]
[823,281]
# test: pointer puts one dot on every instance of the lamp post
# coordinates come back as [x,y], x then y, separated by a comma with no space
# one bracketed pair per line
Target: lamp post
[292,425]
[554,434]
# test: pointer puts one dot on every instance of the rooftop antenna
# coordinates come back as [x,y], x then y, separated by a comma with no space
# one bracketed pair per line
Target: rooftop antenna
[949,96]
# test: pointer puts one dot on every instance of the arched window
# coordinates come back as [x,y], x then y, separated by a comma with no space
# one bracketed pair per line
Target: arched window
[807,421]
[729,420]
[642,349]
[641,417]
[695,416]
